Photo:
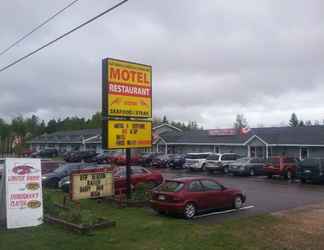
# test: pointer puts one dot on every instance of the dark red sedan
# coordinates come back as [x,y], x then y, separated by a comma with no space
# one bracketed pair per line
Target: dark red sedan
[138,175]
[191,195]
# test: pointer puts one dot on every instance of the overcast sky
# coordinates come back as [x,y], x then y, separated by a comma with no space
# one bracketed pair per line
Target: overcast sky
[211,59]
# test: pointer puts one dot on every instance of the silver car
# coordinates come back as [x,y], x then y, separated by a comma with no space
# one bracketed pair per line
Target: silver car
[220,162]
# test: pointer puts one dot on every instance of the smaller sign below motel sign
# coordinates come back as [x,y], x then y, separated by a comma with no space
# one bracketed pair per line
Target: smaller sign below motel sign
[92,183]
[129,134]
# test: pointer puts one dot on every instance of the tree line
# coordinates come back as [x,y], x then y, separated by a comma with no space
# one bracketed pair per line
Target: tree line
[14,134]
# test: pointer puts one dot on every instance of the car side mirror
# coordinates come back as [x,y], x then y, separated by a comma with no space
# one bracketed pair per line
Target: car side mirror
[224,188]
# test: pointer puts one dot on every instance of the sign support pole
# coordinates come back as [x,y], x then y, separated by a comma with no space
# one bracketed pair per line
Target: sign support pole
[128,173]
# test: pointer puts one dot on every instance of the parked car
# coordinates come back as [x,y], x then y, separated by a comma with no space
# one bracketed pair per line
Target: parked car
[45,153]
[27,152]
[67,155]
[139,175]
[311,170]
[220,162]
[176,161]
[48,153]
[146,159]
[79,156]
[52,179]
[282,166]
[160,160]
[102,158]
[196,161]
[191,195]
[247,166]
[48,166]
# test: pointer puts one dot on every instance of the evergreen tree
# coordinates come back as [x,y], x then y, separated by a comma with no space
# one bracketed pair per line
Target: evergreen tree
[240,122]
[293,122]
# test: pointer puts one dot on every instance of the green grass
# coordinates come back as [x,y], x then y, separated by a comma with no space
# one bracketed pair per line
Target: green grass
[140,228]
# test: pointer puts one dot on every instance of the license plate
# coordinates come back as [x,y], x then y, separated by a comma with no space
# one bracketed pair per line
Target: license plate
[161,197]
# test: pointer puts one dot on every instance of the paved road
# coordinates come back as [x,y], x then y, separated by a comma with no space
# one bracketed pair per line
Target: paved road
[266,195]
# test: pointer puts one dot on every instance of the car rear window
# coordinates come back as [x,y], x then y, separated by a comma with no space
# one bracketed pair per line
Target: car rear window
[171,186]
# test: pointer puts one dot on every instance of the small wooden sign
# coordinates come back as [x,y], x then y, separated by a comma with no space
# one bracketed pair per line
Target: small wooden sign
[92,183]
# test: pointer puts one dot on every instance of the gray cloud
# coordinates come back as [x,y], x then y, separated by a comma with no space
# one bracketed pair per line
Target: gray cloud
[210,59]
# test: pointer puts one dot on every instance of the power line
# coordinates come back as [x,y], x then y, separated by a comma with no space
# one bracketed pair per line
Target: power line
[64,35]
[37,27]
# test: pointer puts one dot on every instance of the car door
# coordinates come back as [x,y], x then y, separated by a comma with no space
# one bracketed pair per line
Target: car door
[197,194]
[217,196]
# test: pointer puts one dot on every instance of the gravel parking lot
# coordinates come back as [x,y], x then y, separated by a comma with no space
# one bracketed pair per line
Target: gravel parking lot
[266,195]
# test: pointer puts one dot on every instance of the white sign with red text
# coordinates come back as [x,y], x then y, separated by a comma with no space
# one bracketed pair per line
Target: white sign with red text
[23,192]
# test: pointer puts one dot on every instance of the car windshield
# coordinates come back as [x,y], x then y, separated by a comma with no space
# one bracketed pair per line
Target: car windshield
[197,156]
[171,186]
[61,169]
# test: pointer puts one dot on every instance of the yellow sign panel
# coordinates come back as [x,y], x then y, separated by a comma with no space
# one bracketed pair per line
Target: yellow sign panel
[129,89]
[92,183]
[129,134]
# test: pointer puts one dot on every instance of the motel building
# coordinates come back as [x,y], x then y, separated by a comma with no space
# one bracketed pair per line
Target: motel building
[299,142]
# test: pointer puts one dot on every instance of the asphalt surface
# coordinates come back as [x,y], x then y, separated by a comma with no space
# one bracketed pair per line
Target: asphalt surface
[265,195]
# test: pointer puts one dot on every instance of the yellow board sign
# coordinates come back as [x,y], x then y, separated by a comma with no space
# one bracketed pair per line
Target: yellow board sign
[128,89]
[129,134]
[92,183]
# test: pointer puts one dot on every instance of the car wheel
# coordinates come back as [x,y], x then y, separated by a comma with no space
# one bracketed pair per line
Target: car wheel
[238,202]
[303,180]
[269,176]
[252,172]
[203,167]
[189,210]
[226,170]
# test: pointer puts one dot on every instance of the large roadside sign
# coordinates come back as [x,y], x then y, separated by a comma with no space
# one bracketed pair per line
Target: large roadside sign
[127,89]
[23,191]
[129,134]
[92,183]
[126,104]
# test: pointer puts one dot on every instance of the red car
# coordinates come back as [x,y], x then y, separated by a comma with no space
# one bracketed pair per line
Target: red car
[191,195]
[120,159]
[138,175]
[281,165]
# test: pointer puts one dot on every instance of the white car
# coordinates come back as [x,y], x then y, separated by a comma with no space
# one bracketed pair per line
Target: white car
[220,162]
[196,161]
